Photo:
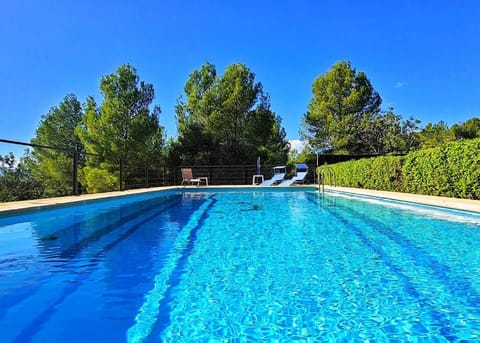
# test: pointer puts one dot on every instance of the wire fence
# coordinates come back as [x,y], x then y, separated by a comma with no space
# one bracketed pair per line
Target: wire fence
[131,174]
[238,174]
[157,172]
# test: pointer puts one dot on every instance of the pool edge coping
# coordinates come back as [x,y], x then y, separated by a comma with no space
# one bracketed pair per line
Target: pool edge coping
[25,205]
[445,202]
[429,200]
[20,206]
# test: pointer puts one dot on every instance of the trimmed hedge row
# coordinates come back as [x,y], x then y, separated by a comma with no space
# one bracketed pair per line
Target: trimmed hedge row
[452,170]
[380,173]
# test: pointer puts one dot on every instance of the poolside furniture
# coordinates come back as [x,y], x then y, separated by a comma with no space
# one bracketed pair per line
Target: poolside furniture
[257,179]
[301,171]
[187,177]
[205,179]
[278,176]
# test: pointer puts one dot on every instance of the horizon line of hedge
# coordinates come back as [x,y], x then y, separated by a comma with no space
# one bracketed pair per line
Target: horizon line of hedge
[451,170]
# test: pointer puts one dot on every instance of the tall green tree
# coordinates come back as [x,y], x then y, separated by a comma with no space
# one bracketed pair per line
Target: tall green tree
[385,132]
[468,130]
[381,132]
[410,129]
[122,128]
[227,119]
[54,168]
[264,135]
[344,116]
[343,101]
[196,144]
[303,156]
[434,135]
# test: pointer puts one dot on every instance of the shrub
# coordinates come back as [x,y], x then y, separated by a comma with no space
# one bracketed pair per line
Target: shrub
[451,170]
[380,173]
[99,180]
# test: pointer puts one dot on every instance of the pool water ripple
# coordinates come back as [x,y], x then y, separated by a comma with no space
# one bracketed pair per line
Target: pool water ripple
[239,266]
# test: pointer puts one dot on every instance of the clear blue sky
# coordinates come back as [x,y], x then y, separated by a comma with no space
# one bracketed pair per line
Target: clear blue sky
[423,57]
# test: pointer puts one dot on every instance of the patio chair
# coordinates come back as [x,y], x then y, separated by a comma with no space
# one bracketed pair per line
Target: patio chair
[278,175]
[301,171]
[187,177]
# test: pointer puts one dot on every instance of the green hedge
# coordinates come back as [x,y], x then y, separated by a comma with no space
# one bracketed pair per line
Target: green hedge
[380,173]
[452,170]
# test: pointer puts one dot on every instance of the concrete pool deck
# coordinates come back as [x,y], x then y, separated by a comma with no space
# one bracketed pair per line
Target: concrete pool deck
[452,203]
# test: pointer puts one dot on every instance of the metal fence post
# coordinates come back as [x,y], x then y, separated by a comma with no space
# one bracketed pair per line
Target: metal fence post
[75,172]
[146,174]
[173,172]
[164,167]
[121,174]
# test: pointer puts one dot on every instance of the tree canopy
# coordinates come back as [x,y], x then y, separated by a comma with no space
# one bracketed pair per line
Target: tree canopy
[435,134]
[222,120]
[16,181]
[227,119]
[467,130]
[54,168]
[122,128]
[344,116]
[342,100]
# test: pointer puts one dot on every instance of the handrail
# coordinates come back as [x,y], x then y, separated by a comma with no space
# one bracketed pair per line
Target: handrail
[321,180]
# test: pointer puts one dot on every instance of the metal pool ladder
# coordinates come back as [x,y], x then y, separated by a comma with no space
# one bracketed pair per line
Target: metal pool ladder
[321,178]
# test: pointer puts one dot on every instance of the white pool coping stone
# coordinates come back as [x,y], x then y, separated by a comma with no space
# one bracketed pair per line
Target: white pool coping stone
[452,203]
[65,200]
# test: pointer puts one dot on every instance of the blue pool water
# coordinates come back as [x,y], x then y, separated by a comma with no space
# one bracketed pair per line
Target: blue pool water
[240,266]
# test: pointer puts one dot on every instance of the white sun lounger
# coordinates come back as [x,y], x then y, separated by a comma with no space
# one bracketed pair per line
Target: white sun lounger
[301,171]
[278,176]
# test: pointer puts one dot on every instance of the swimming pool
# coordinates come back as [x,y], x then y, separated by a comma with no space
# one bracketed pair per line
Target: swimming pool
[280,265]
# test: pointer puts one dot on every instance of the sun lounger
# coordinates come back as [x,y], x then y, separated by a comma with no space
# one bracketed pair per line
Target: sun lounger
[301,171]
[278,176]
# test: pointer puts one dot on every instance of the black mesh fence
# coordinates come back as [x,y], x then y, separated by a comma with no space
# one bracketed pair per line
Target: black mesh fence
[158,172]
